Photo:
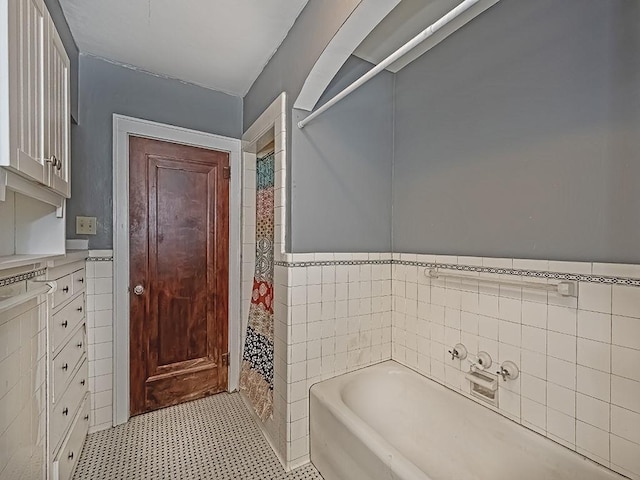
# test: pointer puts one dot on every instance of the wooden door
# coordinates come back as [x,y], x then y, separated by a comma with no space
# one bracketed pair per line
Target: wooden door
[179,231]
[57,123]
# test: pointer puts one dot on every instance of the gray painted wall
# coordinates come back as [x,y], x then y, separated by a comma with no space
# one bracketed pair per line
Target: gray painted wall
[341,169]
[72,50]
[519,136]
[339,166]
[107,88]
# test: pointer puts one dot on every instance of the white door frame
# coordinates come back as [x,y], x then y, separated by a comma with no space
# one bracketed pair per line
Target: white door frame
[123,127]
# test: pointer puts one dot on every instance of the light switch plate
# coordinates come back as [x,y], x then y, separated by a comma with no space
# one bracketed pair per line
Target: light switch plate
[86,225]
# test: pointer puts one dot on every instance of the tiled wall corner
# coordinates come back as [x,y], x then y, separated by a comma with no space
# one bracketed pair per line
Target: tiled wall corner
[248,236]
[339,320]
[579,383]
[99,267]
[22,389]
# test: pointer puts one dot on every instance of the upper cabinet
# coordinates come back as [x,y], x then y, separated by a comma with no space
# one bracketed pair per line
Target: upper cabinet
[56,112]
[34,97]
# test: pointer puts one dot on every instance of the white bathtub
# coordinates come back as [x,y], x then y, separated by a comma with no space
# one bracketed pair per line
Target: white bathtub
[388,422]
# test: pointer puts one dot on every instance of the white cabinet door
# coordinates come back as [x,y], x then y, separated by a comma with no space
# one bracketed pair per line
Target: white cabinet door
[26,22]
[57,117]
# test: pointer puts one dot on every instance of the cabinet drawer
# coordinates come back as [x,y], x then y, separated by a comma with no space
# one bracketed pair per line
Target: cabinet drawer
[66,407]
[64,291]
[65,321]
[79,280]
[65,363]
[65,462]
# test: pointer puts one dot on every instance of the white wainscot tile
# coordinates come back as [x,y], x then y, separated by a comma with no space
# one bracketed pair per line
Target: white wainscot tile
[510,402]
[534,314]
[594,326]
[625,454]
[592,439]
[509,332]
[617,269]
[626,332]
[562,319]
[534,339]
[488,305]
[626,301]
[594,354]
[625,393]
[561,425]
[103,269]
[298,277]
[570,267]
[536,364]
[625,423]
[534,414]
[561,346]
[488,327]
[469,322]
[561,372]
[592,411]
[593,383]
[625,362]
[561,399]
[595,297]
[533,388]
[510,309]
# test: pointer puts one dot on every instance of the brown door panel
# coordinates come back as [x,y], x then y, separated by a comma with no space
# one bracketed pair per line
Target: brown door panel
[179,254]
[164,391]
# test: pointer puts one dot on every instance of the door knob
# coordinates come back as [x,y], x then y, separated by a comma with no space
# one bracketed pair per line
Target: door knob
[138,289]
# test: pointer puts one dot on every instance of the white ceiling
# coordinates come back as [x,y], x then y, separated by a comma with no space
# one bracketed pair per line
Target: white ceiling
[408,19]
[218,44]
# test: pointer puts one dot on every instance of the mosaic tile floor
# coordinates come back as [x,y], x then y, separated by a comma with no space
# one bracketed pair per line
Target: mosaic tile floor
[212,438]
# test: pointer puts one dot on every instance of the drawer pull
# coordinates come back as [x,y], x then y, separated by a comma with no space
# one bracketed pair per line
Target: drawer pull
[79,345]
[66,289]
[70,457]
[79,309]
[65,366]
[81,280]
[82,382]
[65,324]
[65,411]
[86,417]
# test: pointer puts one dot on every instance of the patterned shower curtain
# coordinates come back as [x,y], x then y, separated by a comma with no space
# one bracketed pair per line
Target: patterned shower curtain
[256,377]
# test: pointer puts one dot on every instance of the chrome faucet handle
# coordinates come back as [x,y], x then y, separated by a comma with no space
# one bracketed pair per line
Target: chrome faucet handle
[458,351]
[509,370]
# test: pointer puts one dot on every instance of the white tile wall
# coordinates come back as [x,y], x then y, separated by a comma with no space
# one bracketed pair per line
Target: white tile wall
[579,357]
[334,319]
[22,390]
[100,337]
[275,427]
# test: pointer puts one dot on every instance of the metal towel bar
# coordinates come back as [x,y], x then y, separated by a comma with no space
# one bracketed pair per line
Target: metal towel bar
[563,288]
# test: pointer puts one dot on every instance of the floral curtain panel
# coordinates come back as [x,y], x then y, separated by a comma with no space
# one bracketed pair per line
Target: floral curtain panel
[256,377]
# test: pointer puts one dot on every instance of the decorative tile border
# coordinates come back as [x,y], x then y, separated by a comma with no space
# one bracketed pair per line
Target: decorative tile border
[329,263]
[633,282]
[99,259]
[22,277]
